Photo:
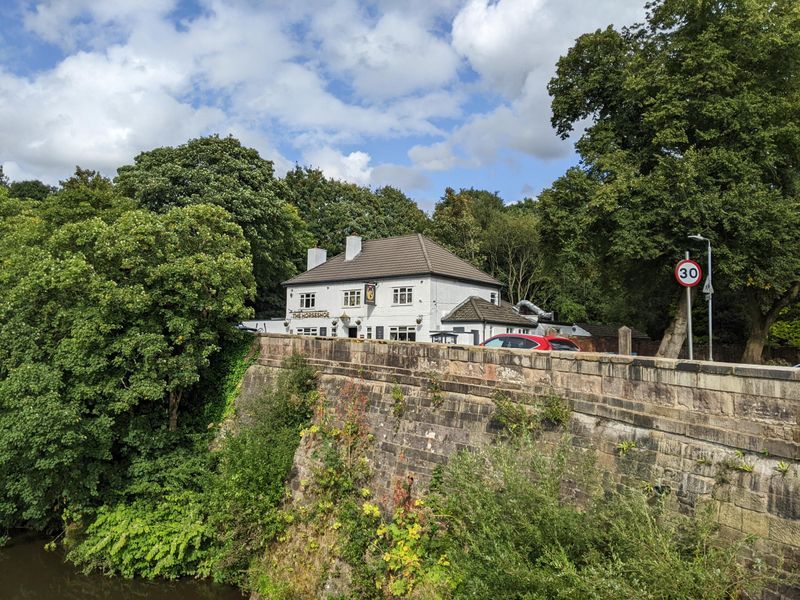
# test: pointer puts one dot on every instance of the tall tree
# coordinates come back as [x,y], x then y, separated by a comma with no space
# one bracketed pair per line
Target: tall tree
[513,254]
[335,209]
[458,222]
[220,171]
[32,189]
[107,316]
[693,129]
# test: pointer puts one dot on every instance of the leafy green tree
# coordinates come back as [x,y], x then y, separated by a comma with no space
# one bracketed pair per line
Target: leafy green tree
[3,178]
[33,189]
[107,316]
[787,328]
[512,246]
[220,171]
[455,224]
[692,129]
[335,209]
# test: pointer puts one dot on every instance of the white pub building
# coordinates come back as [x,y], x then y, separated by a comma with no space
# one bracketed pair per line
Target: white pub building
[400,288]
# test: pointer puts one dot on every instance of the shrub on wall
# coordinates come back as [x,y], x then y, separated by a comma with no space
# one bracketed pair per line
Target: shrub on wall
[509,534]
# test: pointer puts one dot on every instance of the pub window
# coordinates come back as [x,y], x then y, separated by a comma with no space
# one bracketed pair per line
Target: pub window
[509,330]
[352,298]
[402,295]
[308,300]
[379,332]
[307,331]
[369,333]
[403,333]
[493,297]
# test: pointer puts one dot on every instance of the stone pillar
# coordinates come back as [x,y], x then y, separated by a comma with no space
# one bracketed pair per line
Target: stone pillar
[625,341]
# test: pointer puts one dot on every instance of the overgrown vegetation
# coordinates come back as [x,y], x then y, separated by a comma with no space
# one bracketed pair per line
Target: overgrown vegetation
[508,533]
[529,414]
[201,513]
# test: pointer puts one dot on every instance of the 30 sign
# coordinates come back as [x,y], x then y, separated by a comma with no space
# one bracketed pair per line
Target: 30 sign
[688,273]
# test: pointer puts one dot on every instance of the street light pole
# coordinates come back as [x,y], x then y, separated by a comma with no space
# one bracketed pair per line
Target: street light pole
[708,290]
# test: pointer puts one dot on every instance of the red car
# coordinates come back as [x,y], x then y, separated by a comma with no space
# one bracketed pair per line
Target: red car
[531,342]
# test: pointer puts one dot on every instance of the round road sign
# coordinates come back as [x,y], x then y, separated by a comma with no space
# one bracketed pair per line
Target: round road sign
[688,273]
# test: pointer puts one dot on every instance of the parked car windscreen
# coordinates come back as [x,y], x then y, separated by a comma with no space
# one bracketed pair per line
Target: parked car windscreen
[564,345]
[495,343]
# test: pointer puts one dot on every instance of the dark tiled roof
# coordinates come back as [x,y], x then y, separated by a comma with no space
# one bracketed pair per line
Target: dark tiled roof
[395,257]
[610,330]
[475,309]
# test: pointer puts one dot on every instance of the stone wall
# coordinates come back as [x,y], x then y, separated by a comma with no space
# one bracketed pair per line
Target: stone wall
[727,435]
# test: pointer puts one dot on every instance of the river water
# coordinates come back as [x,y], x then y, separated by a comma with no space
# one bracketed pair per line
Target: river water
[28,572]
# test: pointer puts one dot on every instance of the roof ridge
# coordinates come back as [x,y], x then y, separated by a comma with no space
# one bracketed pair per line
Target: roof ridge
[458,258]
[475,308]
[424,251]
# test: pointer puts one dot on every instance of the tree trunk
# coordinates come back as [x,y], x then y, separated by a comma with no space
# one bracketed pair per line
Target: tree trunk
[675,334]
[760,323]
[755,343]
[174,402]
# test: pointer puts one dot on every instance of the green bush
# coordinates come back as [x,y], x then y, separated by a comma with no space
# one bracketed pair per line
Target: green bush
[510,535]
[167,538]
[249,485]
[183,510]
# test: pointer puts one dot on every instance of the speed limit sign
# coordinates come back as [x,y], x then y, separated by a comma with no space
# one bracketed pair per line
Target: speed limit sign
[688,273]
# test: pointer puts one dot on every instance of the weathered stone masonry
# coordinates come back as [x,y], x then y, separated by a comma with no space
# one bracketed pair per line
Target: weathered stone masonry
[687,419]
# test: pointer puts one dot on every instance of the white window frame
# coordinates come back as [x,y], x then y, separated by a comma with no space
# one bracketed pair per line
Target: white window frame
[351,298]
[403,296]
[403,333]
[307,330]
[369,332]
[493,298]
[509,330]
[308,299]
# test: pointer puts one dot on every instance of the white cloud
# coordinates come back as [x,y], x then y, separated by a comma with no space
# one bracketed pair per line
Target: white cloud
[400,176]
[73,23]
[395,57]
[433,157]
[513,45]
[301,77]
[353,167]
[502,40]
[97,111]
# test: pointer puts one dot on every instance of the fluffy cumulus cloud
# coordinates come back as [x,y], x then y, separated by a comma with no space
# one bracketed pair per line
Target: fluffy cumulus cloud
[410,88]
[513,45]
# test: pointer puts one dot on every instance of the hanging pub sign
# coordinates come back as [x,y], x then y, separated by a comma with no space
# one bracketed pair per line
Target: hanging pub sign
[369,294]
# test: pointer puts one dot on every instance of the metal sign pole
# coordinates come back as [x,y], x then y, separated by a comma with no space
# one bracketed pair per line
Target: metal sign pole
[710,297]
[689,316]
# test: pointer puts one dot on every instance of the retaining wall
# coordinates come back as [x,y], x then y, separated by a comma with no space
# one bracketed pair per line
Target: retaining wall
[688,419]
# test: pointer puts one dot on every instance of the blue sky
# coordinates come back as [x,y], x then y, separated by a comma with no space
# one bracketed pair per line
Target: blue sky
[419,94]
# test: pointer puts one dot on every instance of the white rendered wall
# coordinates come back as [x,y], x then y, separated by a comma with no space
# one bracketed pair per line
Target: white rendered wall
[432,299]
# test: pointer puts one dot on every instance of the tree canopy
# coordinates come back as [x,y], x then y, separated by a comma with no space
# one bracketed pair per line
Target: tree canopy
[220,171]
[32,188]
[693,129]
[335,209]
[107,315]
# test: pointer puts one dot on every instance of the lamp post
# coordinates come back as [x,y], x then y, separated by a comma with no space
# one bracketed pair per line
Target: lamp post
[708,290]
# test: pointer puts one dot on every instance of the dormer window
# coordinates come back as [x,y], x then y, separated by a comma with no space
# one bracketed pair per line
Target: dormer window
[493,298]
